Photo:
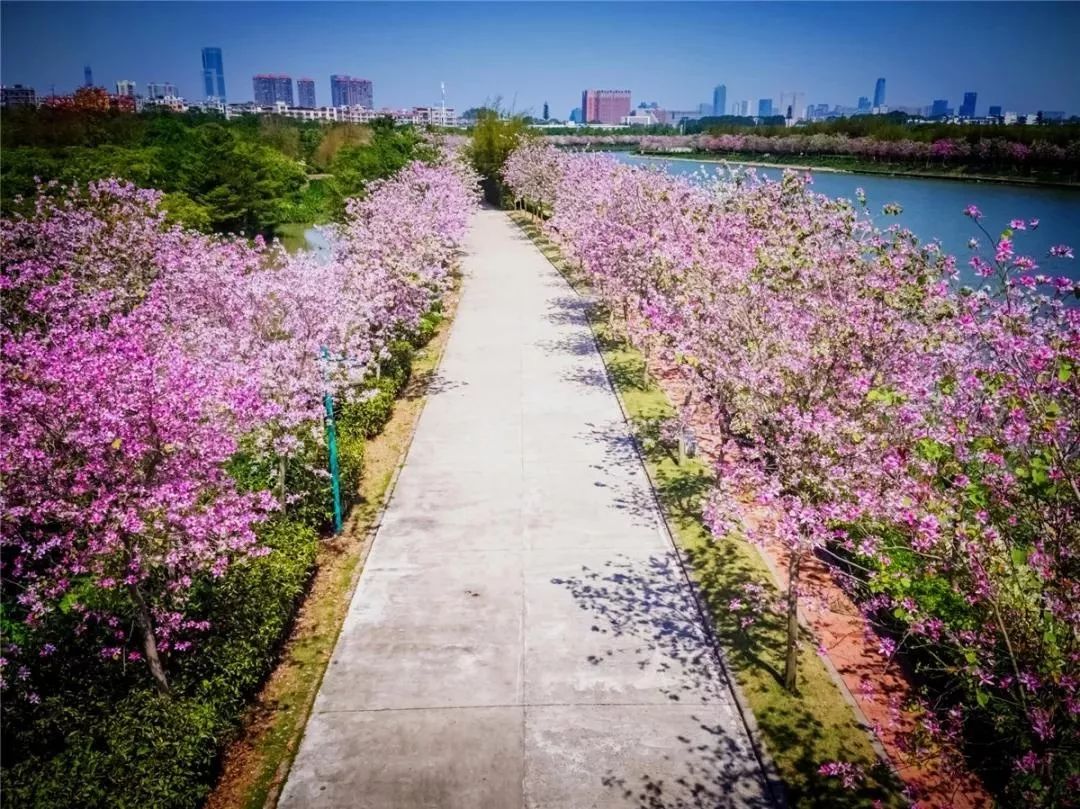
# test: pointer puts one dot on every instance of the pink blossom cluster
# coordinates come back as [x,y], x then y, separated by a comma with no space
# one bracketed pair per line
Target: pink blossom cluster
[136,357]
[991,151]
[984,151]
[533,170]
[923,435]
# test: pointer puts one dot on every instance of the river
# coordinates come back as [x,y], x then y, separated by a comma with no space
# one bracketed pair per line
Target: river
[296,236]
[933,209]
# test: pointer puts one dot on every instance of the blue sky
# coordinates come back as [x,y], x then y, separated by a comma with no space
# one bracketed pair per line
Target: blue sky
[1020,55]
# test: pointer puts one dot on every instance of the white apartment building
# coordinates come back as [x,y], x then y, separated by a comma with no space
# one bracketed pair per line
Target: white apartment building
[419,116]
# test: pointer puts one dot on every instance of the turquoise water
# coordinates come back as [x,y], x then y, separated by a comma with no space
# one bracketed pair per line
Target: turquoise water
[933,209]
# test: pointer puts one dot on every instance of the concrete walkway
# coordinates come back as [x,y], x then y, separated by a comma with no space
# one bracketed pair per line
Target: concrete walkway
[521,635]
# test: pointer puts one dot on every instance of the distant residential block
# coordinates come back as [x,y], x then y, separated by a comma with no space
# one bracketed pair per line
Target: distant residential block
[354,114]
[125,87]
[305,93]
[17,96]
[349,91]
[163,89]
[270,88]
[605,106]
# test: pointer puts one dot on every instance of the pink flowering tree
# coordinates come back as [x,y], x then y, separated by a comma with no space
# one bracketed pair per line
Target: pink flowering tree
[139,359]
[533,171]
[991,528]
[917,438]
[115,439]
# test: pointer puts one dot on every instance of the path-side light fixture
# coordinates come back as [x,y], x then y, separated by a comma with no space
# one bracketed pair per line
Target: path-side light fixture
[331,443]
[331,432]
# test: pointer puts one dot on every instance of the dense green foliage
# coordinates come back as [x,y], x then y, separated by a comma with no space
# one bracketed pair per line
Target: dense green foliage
[98,740]
[493,139]
[898,126]
[891,127]
[247,174]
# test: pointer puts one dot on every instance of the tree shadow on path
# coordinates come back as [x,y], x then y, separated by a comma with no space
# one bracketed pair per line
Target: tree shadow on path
[650,603]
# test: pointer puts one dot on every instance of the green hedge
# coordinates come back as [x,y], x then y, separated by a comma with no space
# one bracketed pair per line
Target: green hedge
[102,736]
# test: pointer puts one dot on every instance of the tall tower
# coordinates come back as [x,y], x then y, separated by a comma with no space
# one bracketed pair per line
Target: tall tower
[879,93]
[213,70]
[967,108]
[719,100]
[88,76]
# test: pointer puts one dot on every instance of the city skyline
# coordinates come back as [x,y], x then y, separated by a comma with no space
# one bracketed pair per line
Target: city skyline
[555,61]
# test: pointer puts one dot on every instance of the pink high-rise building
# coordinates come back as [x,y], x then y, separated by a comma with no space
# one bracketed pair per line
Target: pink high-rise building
[604,106]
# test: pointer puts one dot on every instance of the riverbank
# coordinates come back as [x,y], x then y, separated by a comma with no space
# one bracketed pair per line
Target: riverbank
[857,167]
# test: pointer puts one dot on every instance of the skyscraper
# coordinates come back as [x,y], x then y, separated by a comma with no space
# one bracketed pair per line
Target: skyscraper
[967,108]
[604,106]
[547,111]
[995,112]
[88,76]
[879,93]
[940,108]
[270,88]
[575,115]
[864,104]
[764,108]
[346,91]
[213,71]
[125,87]
[305,93]
[719,100]
[744,108]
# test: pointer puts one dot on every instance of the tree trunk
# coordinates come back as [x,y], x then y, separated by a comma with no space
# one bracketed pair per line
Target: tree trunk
[281,481]
[146,626]
[791,660]
[646,350]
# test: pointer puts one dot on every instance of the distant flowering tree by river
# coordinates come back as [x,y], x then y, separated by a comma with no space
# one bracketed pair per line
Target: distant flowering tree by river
[991,153]
[921,438]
